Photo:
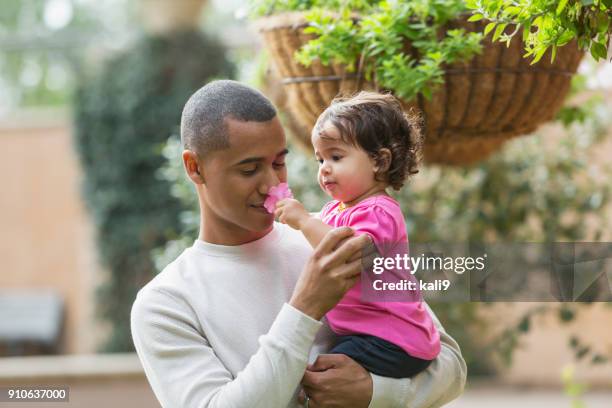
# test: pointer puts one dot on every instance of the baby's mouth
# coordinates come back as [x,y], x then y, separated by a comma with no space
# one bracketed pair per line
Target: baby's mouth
[329,184]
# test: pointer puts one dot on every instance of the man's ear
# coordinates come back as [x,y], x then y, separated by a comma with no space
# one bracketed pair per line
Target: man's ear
[382,161]
[192,168]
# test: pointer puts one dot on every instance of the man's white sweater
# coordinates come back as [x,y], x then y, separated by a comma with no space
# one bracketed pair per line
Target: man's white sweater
[214,329]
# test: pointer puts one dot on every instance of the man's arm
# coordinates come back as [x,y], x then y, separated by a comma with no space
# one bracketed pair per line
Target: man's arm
[185,372]
[182,367]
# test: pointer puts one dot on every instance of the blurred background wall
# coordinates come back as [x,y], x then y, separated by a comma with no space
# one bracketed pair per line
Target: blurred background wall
[46,239]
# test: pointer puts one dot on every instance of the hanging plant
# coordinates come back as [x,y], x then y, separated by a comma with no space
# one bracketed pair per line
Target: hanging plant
[549,24]
[474,94]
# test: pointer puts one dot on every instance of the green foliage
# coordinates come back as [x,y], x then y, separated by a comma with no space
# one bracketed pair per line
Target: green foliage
[373,45]
[124,115]
[549,24]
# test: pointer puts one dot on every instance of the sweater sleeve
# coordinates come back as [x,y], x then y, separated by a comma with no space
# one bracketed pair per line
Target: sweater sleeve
[440,383]
[185,372]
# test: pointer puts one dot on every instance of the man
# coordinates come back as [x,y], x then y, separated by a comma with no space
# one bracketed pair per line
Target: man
[232,321]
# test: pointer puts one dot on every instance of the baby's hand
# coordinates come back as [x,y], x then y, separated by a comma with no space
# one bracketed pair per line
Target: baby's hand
[291,212]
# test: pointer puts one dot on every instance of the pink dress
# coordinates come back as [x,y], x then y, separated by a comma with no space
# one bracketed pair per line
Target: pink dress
[405,324]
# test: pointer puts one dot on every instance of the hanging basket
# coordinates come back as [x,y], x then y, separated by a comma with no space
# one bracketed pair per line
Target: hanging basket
[495,96]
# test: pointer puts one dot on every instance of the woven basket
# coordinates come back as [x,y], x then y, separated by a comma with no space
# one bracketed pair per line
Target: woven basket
[484,102]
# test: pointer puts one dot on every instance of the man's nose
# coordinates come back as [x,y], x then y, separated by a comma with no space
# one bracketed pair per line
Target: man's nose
[270,179]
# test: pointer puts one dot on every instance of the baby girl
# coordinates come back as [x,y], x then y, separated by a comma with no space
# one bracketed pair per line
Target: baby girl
[364,145]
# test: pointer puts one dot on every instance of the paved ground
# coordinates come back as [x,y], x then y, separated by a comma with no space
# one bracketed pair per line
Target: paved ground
[527,398]
[117,381]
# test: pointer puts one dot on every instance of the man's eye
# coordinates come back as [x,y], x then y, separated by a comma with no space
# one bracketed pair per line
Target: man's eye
[248,172]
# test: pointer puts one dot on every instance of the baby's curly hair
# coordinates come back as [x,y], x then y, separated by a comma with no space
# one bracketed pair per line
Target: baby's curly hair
[374,121]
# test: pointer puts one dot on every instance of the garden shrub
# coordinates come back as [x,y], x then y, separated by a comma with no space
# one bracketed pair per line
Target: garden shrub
[124,113]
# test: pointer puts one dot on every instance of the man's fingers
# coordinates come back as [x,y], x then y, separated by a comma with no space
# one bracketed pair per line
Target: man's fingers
[309,379]
[326,361]
[348,251]
[368,254]
[349,271]
[322,363]
[301,396]
[331,240]
[351,247]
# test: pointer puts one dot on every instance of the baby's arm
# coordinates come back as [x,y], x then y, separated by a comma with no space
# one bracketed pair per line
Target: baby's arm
[291,212]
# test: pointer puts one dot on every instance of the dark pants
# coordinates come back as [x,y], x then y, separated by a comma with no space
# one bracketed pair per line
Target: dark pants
[380,357]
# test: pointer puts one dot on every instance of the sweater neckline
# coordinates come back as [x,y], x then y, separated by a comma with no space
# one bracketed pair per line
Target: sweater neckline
[237,250]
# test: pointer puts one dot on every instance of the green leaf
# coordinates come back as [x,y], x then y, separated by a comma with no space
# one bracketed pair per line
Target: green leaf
[573,342]
[471,4]
[538,55]
[598,51]
[599,359]
[525,324]
[512,10]
[561,6]
[476,17]
[488,28]
[582,352]
[526,32]
[499,31]
[586,2]
[566,315]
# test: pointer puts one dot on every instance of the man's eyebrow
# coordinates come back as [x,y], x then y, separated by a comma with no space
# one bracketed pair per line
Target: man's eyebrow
[259,159]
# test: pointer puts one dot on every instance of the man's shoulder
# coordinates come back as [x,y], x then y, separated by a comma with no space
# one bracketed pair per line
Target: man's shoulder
[171,280]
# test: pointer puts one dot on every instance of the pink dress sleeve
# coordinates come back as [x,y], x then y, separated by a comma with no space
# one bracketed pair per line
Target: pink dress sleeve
[377,222]
[326,208]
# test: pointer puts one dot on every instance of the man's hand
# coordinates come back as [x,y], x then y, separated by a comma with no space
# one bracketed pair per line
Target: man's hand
[291,212]
[334,381]
[329,273]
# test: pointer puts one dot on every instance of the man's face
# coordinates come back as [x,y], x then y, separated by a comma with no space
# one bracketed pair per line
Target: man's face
[237,179]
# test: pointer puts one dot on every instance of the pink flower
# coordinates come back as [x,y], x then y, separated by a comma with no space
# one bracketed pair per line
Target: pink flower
[275,194]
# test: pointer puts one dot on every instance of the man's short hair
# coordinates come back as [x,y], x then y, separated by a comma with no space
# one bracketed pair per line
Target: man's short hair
[203,127]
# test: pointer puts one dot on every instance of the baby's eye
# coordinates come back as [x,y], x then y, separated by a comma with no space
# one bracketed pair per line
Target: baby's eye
[320,161]
[336,158]
[279,165]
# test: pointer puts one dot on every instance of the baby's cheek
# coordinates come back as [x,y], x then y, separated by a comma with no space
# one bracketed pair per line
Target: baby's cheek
[320,180]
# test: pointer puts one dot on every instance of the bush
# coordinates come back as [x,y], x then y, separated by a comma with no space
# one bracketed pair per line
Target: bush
[123,116]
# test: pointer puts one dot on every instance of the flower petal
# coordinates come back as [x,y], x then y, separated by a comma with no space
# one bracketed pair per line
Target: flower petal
[275,194]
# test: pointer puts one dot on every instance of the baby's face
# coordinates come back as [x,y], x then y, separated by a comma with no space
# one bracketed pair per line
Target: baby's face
[346,172]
